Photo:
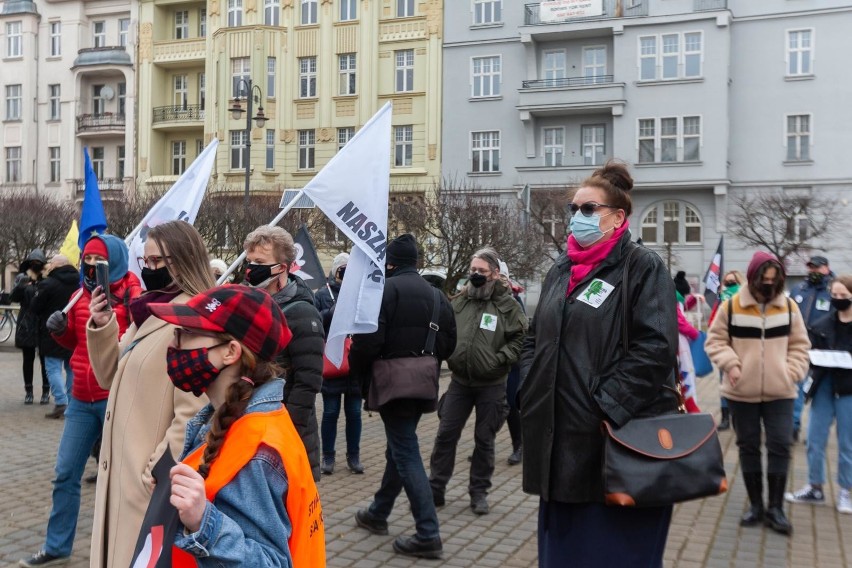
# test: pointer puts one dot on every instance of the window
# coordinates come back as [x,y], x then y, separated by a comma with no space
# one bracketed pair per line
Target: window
[344,135]
[14,40]
[487,76]
[404,70]
[553,67]
[487,11]
[239,75]
[799,52]
[199,147]
[675,221]
[594,144]
[554,146]
[798,137]
[307,77]
[270,77]
[404,8]
[272,12]
[669,139]
[181,24]
[98,103]
[54,109]
[485,151]
[202,90]
[403,146]
[594,64]
[55,165]
[13,164]
[348,10]
[122,97]
[98,162]
[202,22]
[99,34]
[270,149]
[239,159]
[123,30]
[178,157]
[13,102]
[671,56]
[120,173]
[307,141]
[347,73]
[309,12]
[180,98]
[55,39]
[235,13]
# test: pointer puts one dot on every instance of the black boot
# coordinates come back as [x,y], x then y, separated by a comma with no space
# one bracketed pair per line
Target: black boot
[775,518]
[353,462]
[754,488]
[28,398]
[725,422]
[327,464]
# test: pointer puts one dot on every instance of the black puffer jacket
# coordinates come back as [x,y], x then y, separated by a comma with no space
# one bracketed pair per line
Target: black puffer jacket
[575,373]
[403,326]
[26,328]
[52,294]
[828,332]
[302,361]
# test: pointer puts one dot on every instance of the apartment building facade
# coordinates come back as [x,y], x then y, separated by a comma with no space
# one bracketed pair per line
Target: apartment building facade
[707,100]
[68,82]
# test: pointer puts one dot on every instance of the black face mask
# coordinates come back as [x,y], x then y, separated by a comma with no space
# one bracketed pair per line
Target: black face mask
[341,272]
[814,277]
[841,304]
[767,291]
[90,281]
[257,274]
[156,279]
[476,279]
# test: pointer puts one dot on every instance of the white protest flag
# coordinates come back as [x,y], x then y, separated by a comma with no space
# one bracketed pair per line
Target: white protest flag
[182,202]
[352,190]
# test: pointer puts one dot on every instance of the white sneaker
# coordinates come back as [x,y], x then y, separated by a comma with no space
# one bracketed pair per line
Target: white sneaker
[807,494]
[844,502]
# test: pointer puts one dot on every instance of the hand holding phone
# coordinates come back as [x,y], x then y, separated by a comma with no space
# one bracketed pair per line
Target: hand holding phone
[102,276]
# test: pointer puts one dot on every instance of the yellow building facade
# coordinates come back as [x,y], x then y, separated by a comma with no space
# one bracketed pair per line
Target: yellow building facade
[320,68]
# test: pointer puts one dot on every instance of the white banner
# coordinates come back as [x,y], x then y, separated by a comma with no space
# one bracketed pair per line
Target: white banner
[352,190]
[562,10]
[182,202]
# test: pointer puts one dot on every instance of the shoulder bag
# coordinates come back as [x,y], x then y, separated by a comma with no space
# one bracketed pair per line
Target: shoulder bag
[661,460]
[413,378]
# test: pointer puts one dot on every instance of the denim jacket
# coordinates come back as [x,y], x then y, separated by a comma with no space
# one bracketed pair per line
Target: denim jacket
[237,529]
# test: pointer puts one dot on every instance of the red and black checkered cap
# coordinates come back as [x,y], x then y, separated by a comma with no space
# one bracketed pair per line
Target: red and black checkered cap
[249,314]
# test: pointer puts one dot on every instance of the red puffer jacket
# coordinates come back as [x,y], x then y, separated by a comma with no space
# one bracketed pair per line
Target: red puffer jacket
[85,387]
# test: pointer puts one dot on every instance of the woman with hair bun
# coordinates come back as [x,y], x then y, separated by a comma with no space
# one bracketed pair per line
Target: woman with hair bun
[576,373]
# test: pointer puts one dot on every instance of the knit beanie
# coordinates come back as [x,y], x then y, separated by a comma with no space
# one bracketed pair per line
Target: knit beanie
[759,259]
[96,246]
[402,251]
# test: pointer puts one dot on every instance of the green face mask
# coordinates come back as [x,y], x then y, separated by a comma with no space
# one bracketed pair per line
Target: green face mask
[728,293]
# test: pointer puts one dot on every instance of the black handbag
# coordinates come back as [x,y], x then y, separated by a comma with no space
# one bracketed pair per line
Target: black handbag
[661,460]
[413,378]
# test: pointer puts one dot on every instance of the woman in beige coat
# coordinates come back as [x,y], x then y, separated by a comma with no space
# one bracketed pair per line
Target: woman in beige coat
[145,414]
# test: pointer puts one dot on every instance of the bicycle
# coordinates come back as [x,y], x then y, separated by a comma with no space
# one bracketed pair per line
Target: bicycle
[7,322]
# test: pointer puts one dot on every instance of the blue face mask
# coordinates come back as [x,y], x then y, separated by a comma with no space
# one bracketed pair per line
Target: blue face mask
[587,230]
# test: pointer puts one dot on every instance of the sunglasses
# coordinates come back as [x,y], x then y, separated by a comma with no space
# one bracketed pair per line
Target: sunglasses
[190,333]
[588,208]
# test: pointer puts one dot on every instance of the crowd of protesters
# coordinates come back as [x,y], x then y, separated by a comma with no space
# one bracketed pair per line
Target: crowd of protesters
[223,382]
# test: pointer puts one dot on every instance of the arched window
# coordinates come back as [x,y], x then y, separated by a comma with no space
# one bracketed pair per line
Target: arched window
[673,222]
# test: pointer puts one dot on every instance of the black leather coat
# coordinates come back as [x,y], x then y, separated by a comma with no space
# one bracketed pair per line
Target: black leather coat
[828,332]
[575,372]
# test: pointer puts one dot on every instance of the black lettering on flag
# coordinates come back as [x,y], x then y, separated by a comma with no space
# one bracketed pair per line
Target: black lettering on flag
[347,212]
[356,223]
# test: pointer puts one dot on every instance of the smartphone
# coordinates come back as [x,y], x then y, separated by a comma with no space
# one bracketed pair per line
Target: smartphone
[102,276]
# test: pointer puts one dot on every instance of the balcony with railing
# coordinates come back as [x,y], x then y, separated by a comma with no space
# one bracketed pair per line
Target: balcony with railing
[178,116]
[109,188]
[106,123]
[99,56]
[534,15]
[180,51]
[571,95]
[705,5]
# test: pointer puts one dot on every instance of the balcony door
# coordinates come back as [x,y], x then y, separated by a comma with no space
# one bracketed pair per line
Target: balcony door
[98,102]
[553,67]
[594,63]
[181,93]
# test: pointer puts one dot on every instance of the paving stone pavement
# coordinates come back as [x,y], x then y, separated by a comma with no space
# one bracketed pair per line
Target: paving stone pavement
[703,533]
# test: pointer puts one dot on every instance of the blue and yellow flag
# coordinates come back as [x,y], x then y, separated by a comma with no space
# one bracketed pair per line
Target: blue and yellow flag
[92,217]
[69,246]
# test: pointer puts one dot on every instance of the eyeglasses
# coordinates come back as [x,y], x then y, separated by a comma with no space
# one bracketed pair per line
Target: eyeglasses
[152,261]
[181,331]
[588,208]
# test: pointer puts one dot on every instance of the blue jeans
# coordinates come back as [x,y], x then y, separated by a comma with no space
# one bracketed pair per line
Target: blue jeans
[404,469]
[825,408]
[330,414]
[83,424]
[798,407]
[60,388]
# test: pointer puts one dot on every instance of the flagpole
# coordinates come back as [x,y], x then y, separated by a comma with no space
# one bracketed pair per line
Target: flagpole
[272,223]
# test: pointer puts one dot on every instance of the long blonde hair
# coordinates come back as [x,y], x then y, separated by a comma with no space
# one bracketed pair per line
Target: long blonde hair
[187,263]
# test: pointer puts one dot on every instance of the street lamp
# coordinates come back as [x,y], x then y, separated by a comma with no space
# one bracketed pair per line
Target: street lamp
[260,120]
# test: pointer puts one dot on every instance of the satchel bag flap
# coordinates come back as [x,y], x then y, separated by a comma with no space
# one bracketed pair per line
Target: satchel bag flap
[670,436]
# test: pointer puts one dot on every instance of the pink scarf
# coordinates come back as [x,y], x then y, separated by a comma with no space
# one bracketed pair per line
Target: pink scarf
[585,260]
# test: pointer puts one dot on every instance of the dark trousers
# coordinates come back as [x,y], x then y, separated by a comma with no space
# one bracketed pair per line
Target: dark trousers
[776,417]
[592,535]
[29,364]
[513,420]
[453,410]
[404,470]
[328,428]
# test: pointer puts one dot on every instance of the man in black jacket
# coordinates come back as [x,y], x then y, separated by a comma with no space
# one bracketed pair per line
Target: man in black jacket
[270,251]
[403,328]
[52,294]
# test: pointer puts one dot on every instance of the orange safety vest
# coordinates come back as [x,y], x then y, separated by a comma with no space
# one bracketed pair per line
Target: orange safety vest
[276,430]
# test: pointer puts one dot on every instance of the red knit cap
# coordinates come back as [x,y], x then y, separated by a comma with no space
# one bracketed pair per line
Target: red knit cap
[759,259]
[96,246]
